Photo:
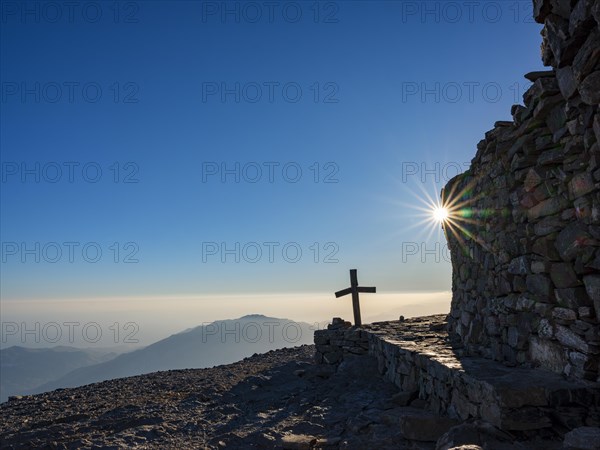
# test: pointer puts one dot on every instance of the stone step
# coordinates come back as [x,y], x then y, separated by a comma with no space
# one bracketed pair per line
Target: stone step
[418,356]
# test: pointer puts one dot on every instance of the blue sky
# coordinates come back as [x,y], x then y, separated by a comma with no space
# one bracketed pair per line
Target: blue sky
[160,120]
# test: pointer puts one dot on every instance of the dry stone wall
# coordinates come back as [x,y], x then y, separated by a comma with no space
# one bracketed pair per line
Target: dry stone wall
[339,340]
[432,371]
[526,253]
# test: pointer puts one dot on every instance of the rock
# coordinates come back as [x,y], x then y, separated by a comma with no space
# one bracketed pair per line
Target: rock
[569,339]
[422,426]
[514,337]
[539,285]
[328,442]
[419,403]
[566,82]
[519,113]
[557,120]
[587,57]
[533,179]
[321,337]
[404,398]
[546,87]
[553,156]
[547,207]
[264,440]
[557,32]
[477,433]
[541,10]
[572,298]
[540,266]
[548,225]
[589,89]
[543,309]
[581,184]
[546,247]
[467,447]
[596,12]
[323,371]
[332,357]
[524,304]
[526,418]
[548,354]
[545,329]
[563,275]
[562,7]
[519,146]
[583,438]
[338,323]
[534,76]
[585,312]
[297,442]
[592,287]
[581,18]
[564,314]
[571,239]
[519,266]
[545,105]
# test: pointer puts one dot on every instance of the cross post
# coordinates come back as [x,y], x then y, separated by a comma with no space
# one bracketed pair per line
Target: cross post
[354,289]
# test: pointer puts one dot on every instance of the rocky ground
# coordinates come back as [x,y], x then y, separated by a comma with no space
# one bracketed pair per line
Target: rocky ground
[280,399]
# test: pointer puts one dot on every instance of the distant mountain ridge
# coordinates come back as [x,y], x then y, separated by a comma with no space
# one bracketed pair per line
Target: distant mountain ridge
[23,369]
[220,342]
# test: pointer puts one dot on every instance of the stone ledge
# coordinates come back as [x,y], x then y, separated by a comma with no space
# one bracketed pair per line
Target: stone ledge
[418,356]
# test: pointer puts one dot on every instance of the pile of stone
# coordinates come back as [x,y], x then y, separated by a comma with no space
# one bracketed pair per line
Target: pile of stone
[526,261]
[339,340]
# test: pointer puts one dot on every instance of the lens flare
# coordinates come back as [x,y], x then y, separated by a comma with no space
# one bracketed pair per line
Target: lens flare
[440,214]
[449,215]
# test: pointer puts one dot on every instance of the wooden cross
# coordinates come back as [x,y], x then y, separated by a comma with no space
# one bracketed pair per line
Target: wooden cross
[354,289]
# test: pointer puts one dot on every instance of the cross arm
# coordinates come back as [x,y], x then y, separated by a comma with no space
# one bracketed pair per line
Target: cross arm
[367,289]
[343,292]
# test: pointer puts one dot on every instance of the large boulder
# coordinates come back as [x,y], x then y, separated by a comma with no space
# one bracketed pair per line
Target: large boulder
[583,438]
[476,434]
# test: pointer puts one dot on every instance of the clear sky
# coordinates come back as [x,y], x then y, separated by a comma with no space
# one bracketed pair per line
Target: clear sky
[244,147]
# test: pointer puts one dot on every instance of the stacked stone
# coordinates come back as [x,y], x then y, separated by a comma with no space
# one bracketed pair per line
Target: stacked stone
[526,267]
[338,340]
[422,363]
[417,356]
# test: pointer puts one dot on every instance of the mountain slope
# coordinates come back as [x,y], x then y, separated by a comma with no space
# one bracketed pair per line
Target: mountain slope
[22,369]
[221,342]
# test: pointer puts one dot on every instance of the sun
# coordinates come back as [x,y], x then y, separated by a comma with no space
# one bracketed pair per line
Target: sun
[450,214]
[440,214]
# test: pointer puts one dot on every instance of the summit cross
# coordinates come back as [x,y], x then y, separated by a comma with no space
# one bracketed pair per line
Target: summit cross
[354,289]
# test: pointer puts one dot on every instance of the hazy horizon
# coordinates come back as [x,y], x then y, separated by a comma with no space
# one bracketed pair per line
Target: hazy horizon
[154,319]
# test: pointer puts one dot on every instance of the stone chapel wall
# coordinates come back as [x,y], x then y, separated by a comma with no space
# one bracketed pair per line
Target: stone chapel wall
[526,253]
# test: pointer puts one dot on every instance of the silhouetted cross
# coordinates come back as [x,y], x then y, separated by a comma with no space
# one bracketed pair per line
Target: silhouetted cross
[354,289]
